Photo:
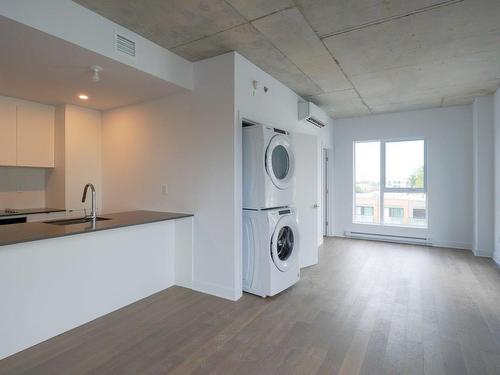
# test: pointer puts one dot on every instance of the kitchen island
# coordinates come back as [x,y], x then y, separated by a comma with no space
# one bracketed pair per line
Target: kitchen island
[55,277]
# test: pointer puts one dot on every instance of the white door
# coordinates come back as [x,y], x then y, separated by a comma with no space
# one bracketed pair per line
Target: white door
[306,196]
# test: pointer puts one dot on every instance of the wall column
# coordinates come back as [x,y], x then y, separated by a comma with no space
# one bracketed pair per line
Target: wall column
[483,176]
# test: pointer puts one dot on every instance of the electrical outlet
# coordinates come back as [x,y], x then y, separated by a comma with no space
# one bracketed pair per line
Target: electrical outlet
[164,189]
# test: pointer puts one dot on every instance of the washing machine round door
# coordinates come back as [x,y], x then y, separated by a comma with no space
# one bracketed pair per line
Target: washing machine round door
[280,161]
[284,243]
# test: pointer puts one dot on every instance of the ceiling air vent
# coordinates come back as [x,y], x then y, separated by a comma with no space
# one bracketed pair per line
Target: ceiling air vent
[124,45]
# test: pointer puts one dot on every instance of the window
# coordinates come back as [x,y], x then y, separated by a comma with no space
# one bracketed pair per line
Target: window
[419,213]
[365,211]
[364,214]
[396,212]
[390,186]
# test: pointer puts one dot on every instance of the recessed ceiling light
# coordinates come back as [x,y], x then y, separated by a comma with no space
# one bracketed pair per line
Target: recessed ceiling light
[83,96]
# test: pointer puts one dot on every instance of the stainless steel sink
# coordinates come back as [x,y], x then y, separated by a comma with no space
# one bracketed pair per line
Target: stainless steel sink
[79,220]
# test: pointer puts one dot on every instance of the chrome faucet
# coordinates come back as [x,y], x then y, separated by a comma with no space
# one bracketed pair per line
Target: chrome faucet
[92,213]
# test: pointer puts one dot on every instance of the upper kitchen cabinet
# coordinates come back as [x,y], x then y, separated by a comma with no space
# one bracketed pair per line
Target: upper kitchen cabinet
[8,129]
[26,133]
[35,135]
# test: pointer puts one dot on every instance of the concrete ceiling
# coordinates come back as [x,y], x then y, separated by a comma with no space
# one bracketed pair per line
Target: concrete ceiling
[352,57]
[40,67]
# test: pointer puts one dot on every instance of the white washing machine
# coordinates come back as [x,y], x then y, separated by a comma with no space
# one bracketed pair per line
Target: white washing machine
[268,167]
[270,251]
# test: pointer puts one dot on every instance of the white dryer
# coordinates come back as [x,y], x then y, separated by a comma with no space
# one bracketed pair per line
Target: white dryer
[268,167]
[270,251]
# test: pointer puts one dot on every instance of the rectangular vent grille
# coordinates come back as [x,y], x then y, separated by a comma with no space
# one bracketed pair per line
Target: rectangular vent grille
[125,45]
[315,122]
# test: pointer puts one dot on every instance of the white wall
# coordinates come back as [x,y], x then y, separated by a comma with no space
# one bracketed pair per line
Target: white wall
[78,25]
[191,142]
[77,158]
[496,101]
[55,195]
[143,147]
[185,141]
[483,174]
[216,254]
[448,133]
[82,155]
[278,106]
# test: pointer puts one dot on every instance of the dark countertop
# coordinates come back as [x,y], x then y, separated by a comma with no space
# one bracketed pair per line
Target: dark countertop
[30,211]
[34,231]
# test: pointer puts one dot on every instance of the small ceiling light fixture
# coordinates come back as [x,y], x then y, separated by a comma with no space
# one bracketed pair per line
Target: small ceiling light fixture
[96,69]
[83,96]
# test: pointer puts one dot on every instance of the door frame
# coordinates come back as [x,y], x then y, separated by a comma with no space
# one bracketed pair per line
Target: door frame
[327,183]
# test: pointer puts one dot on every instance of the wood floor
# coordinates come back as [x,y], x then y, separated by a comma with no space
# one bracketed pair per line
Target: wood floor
[368,307]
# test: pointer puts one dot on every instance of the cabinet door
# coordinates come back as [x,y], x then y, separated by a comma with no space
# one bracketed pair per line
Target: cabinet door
[7,132]
[35,135]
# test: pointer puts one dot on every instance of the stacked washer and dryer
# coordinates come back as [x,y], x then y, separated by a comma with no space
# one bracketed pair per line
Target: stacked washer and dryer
[270,235]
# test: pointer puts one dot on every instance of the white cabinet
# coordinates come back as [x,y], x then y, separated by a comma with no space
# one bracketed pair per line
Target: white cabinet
[26,133]
[35,135]
[8,132]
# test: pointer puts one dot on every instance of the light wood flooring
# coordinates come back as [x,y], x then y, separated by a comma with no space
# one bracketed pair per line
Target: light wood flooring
[368,308]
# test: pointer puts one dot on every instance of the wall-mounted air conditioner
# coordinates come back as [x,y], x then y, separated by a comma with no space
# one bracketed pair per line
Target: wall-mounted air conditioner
[310,112]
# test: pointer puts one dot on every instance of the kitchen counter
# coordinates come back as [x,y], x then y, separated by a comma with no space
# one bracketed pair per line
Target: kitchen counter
[29,211]
[34,231]
[80,272]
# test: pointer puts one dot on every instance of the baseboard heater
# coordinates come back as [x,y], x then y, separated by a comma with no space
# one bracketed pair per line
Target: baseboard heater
[389,238]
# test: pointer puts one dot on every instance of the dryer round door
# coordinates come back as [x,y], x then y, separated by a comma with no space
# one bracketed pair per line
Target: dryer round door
[284,243]
[280,161]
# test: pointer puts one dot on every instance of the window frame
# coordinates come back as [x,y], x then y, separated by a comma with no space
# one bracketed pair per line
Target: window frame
[384,189]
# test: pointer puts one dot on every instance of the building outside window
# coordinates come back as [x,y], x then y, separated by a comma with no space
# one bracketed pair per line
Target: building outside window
[365,213]
[390,177]
[394,215]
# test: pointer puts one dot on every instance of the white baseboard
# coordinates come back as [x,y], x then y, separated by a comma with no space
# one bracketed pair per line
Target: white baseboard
[447,244]
[216,290]
[388,238]
[452,245]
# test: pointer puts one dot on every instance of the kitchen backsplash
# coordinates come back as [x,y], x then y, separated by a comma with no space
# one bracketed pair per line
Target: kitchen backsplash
[22,187]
